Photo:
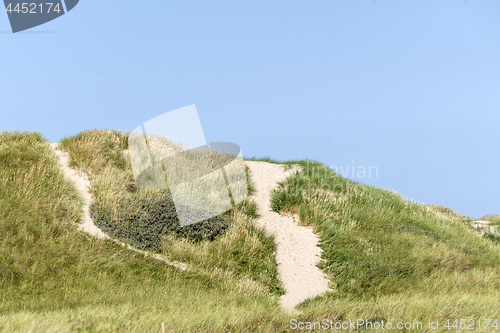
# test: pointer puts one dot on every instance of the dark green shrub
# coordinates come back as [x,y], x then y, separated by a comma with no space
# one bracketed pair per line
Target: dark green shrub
[144,221]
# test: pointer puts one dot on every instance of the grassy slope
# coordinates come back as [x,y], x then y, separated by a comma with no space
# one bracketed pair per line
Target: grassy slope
[494,219]
[55,278]
[390,258]
[244,250]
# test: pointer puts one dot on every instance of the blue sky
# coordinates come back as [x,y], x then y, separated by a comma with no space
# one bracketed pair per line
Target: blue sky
[411,87]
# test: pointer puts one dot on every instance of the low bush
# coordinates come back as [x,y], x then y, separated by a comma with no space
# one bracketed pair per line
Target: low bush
[144,221]
[146,218]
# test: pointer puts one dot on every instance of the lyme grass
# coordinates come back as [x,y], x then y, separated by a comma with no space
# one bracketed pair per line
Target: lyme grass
[94,150]
[56,278]
[243,249]
[388,258]
[494,219]
[378,245]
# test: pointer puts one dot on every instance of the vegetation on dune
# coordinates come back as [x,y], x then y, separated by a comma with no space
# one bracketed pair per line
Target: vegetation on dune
[495,238]
[92,151]
[388,258]
[147,219]
[494,219]
[53,277]
[379,246]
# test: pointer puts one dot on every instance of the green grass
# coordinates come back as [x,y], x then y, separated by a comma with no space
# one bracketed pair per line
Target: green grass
[56,278]
[243,250]
[388,256]
[492,237]
[494,219]
[94,150]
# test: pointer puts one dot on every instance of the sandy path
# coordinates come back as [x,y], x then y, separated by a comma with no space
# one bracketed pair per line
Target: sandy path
[483,227]
[82,186]
[297,250]
[86,223]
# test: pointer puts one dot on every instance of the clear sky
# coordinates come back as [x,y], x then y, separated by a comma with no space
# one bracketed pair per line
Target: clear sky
[409,87]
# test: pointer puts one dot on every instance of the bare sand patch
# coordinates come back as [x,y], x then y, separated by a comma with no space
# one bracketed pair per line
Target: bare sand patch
[297,251]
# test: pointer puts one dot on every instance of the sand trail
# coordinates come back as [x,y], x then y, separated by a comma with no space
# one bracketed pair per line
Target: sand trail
[297,246]
[297,251]
[86,223]
[82,186]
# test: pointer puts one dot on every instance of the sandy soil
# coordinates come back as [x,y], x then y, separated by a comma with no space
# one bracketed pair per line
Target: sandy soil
[86,223]
[82,186]
[483,227]
[297,251]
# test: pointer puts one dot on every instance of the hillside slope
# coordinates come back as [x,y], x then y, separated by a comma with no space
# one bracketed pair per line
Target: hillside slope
[56,278]
[390,257]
